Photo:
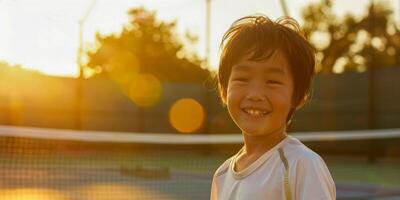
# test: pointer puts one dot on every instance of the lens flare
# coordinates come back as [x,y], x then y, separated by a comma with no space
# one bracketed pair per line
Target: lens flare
[145,90]
[186,115]
[123,67]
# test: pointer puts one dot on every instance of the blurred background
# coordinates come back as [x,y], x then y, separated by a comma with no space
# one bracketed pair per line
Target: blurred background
[104,99]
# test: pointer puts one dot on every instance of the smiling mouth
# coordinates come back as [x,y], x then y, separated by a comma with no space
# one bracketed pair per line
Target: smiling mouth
[255,112]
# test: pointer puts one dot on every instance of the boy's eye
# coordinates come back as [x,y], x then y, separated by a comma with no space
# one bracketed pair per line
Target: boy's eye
[274,82]
[240,79]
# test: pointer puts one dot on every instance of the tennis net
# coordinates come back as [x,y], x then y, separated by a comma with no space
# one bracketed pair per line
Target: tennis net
[39,163]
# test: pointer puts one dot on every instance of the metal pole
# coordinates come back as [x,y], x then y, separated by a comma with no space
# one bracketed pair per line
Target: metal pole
[372,155]
[78,121]
[371,77]
[79,89]
[207,54]
[284,7]
[208,29]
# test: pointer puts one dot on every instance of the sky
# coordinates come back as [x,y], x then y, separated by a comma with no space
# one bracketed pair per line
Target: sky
[44,34]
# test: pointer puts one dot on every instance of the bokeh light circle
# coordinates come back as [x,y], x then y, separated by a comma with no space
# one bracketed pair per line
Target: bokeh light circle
[186,115]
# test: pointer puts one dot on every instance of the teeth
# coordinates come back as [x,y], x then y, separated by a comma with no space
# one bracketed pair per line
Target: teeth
[254,112]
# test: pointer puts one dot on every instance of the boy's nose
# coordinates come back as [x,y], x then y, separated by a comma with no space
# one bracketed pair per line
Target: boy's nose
[256,92]
[256,97]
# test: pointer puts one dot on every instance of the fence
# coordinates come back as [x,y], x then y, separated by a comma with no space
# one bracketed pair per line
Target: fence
[339,102]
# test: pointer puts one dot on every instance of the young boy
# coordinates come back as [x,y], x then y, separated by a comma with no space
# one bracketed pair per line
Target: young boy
[265,74]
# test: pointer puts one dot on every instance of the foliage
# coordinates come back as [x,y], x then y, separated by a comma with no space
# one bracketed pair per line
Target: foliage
[147,45]
[352,43]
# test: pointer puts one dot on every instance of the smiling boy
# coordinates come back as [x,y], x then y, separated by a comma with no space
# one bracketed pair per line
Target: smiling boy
[265,75]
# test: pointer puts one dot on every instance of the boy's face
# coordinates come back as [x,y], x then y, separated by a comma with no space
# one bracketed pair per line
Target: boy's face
[259,94]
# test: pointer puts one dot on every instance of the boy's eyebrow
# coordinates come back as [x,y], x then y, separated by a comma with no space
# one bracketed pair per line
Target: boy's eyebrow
[273,70]
[240,68]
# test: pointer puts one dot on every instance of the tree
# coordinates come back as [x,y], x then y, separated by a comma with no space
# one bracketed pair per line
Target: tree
[351,43]
[147,45]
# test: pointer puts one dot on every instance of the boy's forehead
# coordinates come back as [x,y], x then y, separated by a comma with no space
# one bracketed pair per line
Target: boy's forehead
[276,63]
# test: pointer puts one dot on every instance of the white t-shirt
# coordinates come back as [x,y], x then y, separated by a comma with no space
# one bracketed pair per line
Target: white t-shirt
[309,177]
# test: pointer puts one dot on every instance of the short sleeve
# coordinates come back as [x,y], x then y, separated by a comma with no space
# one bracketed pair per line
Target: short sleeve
[214,186]
[312,179]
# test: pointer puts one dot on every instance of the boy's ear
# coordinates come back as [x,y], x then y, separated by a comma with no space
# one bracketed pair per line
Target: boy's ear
[301,103]
[222,94]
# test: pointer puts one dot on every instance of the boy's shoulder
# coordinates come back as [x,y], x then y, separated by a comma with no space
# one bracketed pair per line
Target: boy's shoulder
[308,173]
[223,168]
[297,151]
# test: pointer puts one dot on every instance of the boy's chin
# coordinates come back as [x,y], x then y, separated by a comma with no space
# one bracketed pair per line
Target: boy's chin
[260,131]
[253,132]
[253,128]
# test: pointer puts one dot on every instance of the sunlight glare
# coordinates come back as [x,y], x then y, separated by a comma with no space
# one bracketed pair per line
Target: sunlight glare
[105,191]
[32,194]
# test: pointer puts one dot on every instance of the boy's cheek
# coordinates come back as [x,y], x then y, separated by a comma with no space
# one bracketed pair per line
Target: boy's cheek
[232,95]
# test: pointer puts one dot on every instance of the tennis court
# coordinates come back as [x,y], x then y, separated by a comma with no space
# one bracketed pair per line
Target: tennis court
[43,163]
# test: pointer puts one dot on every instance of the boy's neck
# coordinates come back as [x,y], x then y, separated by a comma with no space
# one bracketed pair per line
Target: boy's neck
[255,145]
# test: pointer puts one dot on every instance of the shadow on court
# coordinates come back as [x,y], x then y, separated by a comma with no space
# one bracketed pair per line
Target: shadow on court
[354,191]
[107,184]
